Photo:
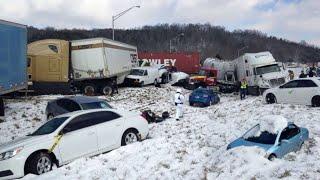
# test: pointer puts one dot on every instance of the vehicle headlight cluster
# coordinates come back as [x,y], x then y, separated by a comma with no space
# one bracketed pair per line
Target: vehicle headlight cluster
[9,154]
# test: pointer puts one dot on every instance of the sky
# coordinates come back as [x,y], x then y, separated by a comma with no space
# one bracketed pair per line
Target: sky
[294,20]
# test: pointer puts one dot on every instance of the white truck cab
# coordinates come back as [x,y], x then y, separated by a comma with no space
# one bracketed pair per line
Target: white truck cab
[143,76]
[260,70]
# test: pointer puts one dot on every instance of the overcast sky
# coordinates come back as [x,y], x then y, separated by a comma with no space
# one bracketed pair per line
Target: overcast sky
[290,19]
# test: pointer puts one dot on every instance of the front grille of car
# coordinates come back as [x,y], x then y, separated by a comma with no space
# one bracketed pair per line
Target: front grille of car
[277,82]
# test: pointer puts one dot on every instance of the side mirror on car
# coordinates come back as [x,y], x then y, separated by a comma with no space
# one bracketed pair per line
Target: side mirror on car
[283,141]
[65,130]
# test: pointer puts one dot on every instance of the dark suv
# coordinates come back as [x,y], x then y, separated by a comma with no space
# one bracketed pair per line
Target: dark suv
[74,103]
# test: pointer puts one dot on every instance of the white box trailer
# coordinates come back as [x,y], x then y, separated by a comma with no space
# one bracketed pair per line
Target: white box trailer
[99,61]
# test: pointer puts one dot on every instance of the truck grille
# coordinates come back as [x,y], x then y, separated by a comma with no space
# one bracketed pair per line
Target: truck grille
[277,82]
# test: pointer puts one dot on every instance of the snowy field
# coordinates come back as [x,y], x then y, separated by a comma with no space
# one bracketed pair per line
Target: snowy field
[193,148]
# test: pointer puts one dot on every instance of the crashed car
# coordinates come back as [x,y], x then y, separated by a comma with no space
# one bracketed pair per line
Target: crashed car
[203,97]
[74,103]
[275,135]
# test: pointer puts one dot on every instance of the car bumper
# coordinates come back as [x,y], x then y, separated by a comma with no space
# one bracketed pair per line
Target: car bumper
[195,100]
[12,168]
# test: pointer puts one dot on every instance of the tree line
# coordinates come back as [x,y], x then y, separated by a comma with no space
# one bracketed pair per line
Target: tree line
[208,40]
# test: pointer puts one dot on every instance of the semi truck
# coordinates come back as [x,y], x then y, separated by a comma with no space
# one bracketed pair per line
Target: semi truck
[13,51]
[87,65]
[260,70]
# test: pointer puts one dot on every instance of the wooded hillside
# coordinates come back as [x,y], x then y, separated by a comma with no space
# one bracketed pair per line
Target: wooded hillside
[208,40]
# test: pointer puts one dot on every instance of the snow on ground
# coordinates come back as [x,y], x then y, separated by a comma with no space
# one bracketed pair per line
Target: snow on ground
[193,148]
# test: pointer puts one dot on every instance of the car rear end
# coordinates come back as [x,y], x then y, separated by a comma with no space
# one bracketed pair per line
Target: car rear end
[137,121]
[199,98]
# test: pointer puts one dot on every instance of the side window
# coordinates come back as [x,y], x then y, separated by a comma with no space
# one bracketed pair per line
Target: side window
[105,116]
[54,48]
[68,105]
[289,132]
[80,122]
[307,83]
[291,84]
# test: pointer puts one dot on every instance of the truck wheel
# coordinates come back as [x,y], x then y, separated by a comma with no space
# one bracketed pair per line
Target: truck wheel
[315,102]
[89,89]
[106,90]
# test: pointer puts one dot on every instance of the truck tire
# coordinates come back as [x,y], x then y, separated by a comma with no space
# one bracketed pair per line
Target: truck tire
[89,89]
[106,90]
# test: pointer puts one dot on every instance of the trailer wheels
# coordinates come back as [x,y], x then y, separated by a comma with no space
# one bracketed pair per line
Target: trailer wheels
[106,90]
[89,89]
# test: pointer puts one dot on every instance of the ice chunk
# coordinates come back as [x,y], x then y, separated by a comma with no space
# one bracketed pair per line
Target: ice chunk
[273,123]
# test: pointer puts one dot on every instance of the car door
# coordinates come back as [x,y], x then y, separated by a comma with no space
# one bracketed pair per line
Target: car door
[109,130]
[307,89]
[289,139]
[286,93]
[79,138]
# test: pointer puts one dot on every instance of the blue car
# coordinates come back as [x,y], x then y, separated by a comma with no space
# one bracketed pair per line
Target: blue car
[203,97]
[277,145]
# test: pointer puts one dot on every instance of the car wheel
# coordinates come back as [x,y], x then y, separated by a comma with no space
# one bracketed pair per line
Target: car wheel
[130,136]
[272,157]
[270,98]
[89,89]
[50,116]
[106,90]
[39,163]
[315,102]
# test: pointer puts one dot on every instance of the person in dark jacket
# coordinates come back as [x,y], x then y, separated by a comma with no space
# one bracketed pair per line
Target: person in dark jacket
[1,110]
[311,71]
[114,86]
[302,75]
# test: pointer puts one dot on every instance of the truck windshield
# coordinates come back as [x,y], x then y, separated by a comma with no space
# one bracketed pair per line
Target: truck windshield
[137,72]
[49,127]
[267,69]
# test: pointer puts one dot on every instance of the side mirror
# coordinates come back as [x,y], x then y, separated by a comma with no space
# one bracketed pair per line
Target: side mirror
[65,130]
[283,141]
[280,87]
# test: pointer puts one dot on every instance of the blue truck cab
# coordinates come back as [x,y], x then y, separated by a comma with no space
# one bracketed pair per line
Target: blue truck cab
[13,53]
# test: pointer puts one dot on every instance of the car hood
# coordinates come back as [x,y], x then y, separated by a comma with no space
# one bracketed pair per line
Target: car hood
[242,142]
[23,141]
[134,77]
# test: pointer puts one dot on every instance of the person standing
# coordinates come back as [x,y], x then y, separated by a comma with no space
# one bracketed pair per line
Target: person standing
[291,74]
[243,88]
[1,110]
[178,100]
[114,87]
[311,71]
[302,75]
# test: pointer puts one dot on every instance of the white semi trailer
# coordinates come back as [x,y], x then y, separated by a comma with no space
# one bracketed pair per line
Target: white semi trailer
[259,69]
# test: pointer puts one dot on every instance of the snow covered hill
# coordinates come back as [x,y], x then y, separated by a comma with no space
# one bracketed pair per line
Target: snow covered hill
[193,148]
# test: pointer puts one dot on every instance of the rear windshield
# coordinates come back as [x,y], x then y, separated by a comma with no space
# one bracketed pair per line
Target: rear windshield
[50,126]
[264,138]
[96,105]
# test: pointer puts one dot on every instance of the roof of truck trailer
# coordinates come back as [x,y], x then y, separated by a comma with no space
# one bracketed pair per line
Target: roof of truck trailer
[87,41]
[259,53]
[13,23]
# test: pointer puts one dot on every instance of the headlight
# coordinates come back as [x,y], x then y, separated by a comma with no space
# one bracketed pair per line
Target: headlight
[10,154]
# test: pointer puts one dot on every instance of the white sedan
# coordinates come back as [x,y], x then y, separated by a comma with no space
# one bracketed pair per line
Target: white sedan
[305,91]
[68,137]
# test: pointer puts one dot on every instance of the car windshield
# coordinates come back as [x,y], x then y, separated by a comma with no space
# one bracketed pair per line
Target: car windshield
[50,126]
[254,135]
[96,105]
[267,69]
[202,72]
[137,72]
